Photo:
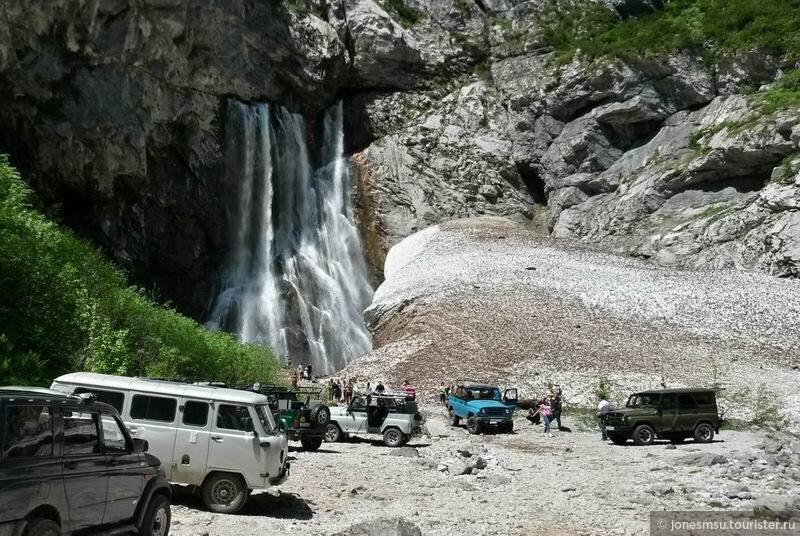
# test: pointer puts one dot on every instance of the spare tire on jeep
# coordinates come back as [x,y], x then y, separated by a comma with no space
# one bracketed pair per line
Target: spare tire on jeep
[321,415]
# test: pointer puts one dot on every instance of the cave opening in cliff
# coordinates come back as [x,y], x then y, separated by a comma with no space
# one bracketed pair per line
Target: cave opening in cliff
[533,183]
[743,184]
[296,278]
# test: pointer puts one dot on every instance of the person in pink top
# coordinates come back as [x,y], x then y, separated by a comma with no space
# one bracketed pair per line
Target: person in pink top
[547,414]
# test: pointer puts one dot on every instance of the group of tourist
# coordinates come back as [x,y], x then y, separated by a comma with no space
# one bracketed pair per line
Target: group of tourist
[343,390]
[302,372]
[547,410]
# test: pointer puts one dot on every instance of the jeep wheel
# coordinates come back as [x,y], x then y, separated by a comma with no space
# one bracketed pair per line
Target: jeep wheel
[321,415]
[617,439]
[333,433]
[156,519]
[473,426]
[703,433]
[508,427]
[42,527]
[643,434]
[224,493]
[393,437]
[454,420]
[311,444]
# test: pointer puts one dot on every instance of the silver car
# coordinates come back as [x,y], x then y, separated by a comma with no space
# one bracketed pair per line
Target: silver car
[389,416]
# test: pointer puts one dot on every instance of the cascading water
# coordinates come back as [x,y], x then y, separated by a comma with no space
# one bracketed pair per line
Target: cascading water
[296,279]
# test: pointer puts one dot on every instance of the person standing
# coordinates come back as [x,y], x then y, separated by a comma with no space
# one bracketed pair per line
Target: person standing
[603,407]
[442,393]
[294,378]
[546,413]
[555,406]
[380,389]
[308,369]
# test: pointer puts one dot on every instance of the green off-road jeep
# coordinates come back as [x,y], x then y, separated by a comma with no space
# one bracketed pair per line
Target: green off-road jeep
[301,414]
[673,414]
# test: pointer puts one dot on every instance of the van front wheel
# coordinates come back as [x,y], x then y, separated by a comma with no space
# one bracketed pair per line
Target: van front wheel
[224,493]
[703,433]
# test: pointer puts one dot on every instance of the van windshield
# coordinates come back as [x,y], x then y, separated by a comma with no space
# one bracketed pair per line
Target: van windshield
[265,416]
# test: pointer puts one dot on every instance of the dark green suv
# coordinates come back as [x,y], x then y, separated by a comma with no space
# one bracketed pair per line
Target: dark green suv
[673,414]
[301,414]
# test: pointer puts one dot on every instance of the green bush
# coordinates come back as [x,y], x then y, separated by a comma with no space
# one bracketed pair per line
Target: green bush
[710,26]
[65,308]
[785,93]
[408,15]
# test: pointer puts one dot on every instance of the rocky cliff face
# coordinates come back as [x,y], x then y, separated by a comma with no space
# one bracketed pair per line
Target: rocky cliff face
[454,108]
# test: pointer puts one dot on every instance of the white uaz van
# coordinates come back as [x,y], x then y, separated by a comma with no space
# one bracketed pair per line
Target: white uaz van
[224,441]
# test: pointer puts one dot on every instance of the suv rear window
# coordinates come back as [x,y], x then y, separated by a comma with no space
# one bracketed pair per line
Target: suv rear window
[28,432]
[112,398]
[153,408]
[705,399]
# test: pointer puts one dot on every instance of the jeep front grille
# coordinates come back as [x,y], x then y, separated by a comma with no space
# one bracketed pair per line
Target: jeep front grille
[495,411]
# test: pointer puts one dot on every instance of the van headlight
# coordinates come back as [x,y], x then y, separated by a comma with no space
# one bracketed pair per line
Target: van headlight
[483,410]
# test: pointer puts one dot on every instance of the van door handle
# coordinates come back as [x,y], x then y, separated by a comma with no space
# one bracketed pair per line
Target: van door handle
[216,438]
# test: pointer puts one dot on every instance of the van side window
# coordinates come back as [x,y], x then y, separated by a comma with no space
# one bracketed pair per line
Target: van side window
[234,418]
[668,401]
[153,408]
[28,432]
[686,401]
[195,413]
[112,398]
[80,434]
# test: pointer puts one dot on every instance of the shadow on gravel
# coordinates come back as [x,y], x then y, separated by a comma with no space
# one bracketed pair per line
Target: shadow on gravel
[321,451]
[282,506]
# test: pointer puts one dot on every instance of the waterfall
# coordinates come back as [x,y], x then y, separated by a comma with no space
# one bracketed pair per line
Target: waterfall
[296,277]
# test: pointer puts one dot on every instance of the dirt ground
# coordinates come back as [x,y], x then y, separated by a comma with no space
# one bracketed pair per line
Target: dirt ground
[572,483]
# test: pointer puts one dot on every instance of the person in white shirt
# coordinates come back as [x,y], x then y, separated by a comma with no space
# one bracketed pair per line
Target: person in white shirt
[603,407]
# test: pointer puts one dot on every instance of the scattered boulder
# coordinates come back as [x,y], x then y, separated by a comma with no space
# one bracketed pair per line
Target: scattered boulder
[498,480]
[436,427]
[703,459]
[456,467]
[661,490]
[406,452]
[382,527]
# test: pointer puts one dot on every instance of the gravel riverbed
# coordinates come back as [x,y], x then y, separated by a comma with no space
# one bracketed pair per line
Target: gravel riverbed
[522,483]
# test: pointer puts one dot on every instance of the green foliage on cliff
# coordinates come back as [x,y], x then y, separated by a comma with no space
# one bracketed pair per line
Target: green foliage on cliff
[63,308]
[785,93]
[407,14]
[710,25]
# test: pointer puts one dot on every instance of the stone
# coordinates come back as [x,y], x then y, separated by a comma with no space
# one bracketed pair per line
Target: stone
[456,467]
[660,490]
[436,427]
[703,459]
[497,480]
[382,527]
[405,452]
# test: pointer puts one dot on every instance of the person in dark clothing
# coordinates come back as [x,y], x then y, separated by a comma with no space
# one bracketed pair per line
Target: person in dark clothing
[555,405]
[380,388]
[308,371]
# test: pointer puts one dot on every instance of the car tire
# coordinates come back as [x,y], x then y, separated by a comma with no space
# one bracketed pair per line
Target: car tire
[617,439]
[644,435]
[224,493]
[321,415]
[311,444]
[42,527]
[157,518]
[703,433]
[473,426]
[333,434]
[393,437]
[508,428]
[454,419]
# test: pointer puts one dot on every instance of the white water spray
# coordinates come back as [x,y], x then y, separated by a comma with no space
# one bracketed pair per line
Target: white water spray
[296,279]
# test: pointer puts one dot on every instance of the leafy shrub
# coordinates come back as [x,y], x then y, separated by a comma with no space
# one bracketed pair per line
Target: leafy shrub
[785,93]
[712,25]
[65,308]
